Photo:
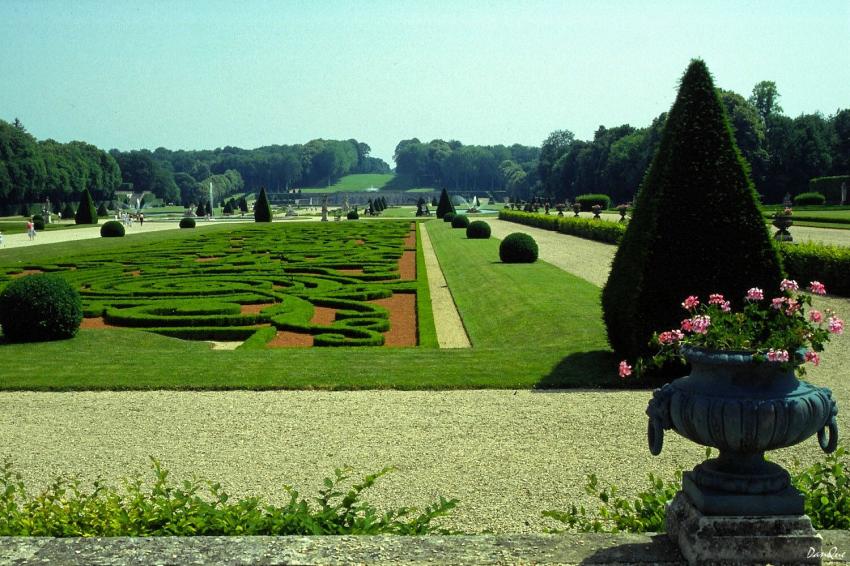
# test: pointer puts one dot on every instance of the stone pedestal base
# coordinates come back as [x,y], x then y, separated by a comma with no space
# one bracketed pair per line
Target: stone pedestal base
[725,539]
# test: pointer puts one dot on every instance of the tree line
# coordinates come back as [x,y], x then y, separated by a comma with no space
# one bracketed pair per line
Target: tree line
[458,167]
[32,171]
[784,153]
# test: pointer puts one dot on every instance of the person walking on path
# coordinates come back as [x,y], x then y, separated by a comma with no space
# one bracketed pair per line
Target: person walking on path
[30,229]
[141,219]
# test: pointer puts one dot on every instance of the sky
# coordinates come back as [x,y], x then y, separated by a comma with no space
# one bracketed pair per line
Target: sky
[206,74]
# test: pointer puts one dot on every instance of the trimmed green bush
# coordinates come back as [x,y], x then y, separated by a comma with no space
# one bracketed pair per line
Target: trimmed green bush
[830,187]
[460,221]
[352,215]
[39,307]
[262,208]
[102,211]
[809,199]
[478,230]
[587,202]
[696,228]
[448,217]
[187,222]
[518,248]
[112,229]
[86,212]
[608,232]
[445,205]
[38,221]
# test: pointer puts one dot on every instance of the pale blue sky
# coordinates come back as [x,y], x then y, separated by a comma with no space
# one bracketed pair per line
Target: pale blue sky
[196,75]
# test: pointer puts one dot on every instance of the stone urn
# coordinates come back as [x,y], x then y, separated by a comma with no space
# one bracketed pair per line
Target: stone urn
[782,222]
[596,210]
[576,209]
[743,408]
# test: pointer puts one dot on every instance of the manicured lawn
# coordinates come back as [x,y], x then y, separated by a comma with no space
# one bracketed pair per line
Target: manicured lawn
[530,325]
[20,226]
[352,183]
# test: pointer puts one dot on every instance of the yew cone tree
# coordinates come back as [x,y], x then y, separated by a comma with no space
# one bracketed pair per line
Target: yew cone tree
[86,212]
[262,209]
[696,228]
[445,206]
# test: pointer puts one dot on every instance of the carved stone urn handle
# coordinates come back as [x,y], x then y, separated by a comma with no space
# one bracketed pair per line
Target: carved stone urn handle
[829,443]
[658,412]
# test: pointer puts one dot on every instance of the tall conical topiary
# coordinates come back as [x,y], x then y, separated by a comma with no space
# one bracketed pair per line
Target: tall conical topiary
[695,229]
[262,209]
[86,212]
[445,205]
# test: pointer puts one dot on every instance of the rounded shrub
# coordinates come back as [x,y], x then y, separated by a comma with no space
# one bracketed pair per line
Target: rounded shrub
[38,221]
[352,215]
[112,229]
[478,230]
[518,248]
[39,307]
[587,202]
[187,222]
[460,221]
[809,199]
[448,217]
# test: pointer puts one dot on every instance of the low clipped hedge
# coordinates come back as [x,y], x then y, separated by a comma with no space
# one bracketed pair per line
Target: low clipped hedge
[478,230]
[808,199]
[37,308]
[588,201]
[460,221]
[352,215]
[830,265]
[112,229]
[608,232]
[518,248]
[449,217]
[187,222]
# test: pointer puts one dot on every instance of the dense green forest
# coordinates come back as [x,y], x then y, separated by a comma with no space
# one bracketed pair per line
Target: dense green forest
[784,153]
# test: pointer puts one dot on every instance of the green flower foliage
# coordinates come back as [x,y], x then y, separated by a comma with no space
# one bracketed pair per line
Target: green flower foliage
[478,230]
[518,248]
[40,307]
[112,229]
[262,209]
[445,205]
[696,228]
[198,507]
[460,221]
[205,287]
[86,212]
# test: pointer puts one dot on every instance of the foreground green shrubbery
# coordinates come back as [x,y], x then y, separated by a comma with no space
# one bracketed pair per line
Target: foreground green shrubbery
[40,307]
[825,486]
[818,262]
[200,508]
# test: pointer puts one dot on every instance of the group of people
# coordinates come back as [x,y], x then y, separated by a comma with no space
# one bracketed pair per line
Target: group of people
[127,219]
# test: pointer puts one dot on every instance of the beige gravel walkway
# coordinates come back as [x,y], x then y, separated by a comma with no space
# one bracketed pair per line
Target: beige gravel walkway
[450,330]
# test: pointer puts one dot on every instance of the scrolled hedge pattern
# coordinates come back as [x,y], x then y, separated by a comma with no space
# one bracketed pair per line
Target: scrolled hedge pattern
[203,287]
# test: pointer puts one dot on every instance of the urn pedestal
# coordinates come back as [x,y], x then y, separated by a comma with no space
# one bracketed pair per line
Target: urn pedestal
[782,223]
[738,500]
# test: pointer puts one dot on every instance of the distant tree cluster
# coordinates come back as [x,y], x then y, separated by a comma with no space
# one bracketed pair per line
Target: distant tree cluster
[32,171]
[184,175]
[456,166]
[783,153]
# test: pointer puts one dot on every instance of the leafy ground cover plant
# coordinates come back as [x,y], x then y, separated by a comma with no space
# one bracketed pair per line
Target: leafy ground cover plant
[825,486]
[199,507]
[779,329]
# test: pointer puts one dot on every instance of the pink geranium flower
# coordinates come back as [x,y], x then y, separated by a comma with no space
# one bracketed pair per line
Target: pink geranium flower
[813,357]
[670,337]
[817,288]
[815,316]
[789,285]
[690,303]
[755,294]
[701,323]
[687,325]
[625,369]
[777,303]
[715,299]
[835,325]
[777,355]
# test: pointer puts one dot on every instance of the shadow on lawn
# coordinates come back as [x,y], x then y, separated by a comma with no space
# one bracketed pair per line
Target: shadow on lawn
[596,369]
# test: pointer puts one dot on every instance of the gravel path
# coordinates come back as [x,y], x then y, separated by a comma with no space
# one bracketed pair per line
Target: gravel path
[450,330]
[506,455]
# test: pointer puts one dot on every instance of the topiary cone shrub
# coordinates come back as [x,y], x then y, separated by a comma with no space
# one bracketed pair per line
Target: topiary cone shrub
[102,211]
[112,229]
[478,230]
[448,217]
[695,227]
[187,222]
[460,221]
[445,205]
[86,212]
[39,307]
[518,248]
[262,209]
